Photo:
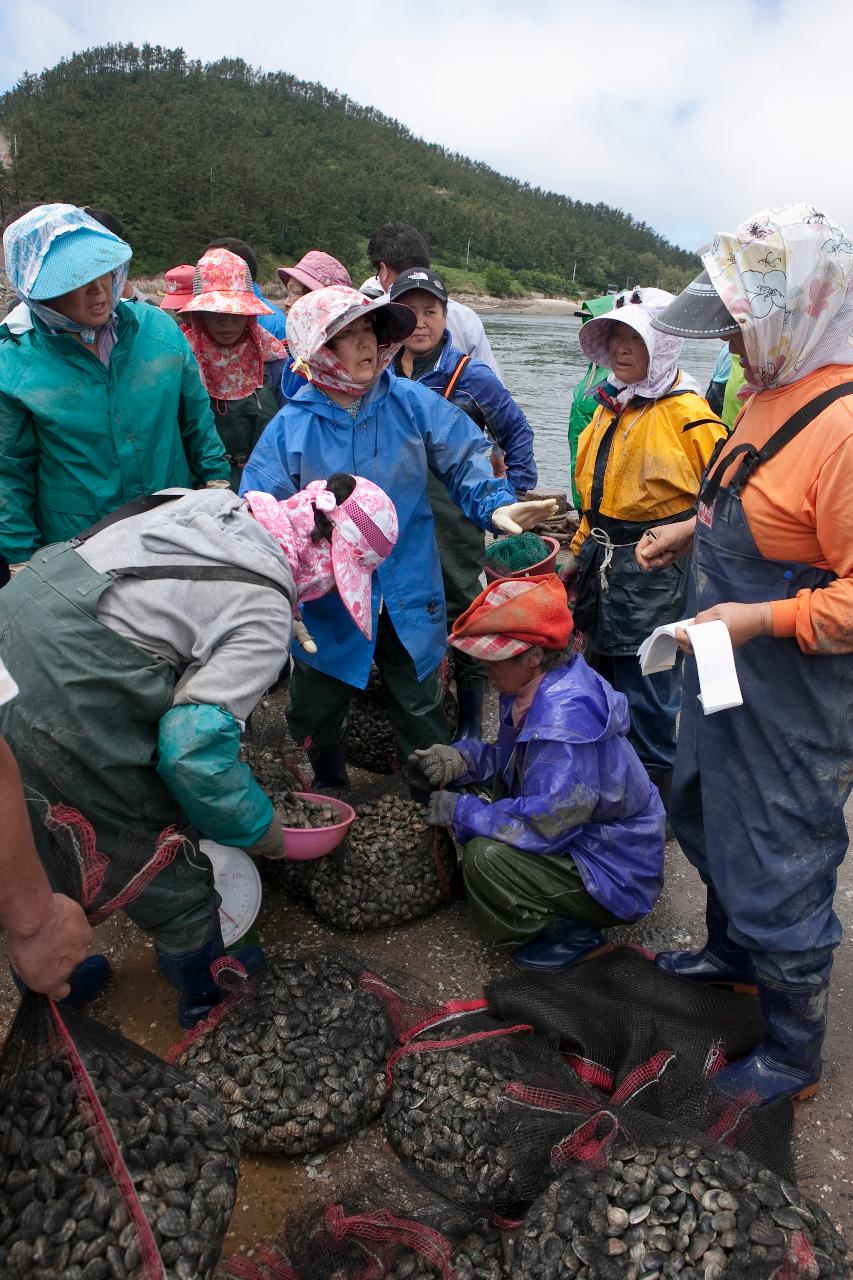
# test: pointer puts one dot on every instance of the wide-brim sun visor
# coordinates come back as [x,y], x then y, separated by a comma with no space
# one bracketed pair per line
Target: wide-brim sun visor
[394,320]
[698,312]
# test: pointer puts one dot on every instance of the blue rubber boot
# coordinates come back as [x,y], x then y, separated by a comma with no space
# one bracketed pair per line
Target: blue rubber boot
[786,1064]
[720,961]
[86,981]
[190,974]
[559,945]
[470,703]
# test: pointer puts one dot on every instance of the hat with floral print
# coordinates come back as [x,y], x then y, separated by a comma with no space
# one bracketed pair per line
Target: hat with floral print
[316,270]
[512,615]
[179,287]
[364,534]
[223,283]
[323,314]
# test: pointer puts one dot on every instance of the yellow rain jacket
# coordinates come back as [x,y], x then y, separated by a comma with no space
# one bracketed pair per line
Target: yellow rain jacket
[636,469]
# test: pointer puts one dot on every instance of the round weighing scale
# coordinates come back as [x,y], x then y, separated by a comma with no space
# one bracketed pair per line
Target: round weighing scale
[238,883]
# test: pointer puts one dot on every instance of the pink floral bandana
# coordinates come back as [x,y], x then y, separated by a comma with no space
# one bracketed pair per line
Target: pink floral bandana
[232,373]
[786,276]
[313,315]
[364,536]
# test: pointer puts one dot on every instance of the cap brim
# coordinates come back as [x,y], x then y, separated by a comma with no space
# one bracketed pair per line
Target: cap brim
[698,312]
[417,286]
[395,321]
[489,648]
[227,304]
[175,301]
[75,259]
[293,273]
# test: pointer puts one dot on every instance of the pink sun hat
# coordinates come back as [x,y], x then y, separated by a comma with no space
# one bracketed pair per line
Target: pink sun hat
[317,270]
[364,535]
[179,287]
[223,283]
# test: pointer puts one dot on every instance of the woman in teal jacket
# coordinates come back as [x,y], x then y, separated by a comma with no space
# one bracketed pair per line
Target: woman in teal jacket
[100,401]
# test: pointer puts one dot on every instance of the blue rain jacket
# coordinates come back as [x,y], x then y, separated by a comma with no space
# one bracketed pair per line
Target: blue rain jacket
[482,395]
[400,432]
[572,785]
[276,324]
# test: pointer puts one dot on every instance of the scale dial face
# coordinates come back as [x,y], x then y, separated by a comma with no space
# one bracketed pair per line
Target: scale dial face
[238,883]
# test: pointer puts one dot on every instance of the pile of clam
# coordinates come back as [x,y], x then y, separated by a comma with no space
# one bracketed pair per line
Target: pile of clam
[678,1209]
[370,739]
[445,1119]
[298,1064]
[297,812]
[392,867]
[62,1216]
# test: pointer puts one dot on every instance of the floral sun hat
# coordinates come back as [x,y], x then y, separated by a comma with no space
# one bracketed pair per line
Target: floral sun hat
[365,533]
[223,283]
[663,348]
[323,313]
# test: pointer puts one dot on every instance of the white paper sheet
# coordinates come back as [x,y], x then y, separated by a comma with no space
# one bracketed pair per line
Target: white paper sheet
[715,661]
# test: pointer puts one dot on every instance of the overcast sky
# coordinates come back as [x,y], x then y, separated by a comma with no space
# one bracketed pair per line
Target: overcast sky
[689,115]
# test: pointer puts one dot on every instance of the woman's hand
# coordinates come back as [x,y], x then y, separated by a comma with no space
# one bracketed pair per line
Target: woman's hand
[515,517]
[662,546]
[744,622]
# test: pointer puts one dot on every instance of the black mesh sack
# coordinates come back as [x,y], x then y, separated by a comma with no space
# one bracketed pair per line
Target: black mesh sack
[296,1056]
[391,868]
[390,1226]
[112,1163]
[447,1115]
[370,739]
[611,1014]
[621,1207]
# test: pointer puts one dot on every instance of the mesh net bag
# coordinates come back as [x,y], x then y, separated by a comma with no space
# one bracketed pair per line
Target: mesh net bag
[297,1056]
[391,868]
[111,1162]
[614,1012]
[623,1207]
[370,739]
[389,1226]
[447,1115]
[517,552]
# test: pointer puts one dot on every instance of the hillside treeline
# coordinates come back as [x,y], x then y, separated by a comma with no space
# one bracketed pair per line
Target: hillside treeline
[184,151]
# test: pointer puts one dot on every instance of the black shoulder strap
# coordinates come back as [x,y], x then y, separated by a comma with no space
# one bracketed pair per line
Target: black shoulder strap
[198,573]
[753,458]
[136,508]
[600,469]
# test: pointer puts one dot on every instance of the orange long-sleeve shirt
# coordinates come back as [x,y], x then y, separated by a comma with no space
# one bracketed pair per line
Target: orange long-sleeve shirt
[799,505]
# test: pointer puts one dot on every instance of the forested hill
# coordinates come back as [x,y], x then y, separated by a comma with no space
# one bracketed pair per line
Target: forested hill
[184,151]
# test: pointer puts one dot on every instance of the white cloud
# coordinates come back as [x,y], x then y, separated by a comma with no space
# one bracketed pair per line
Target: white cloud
[689,116]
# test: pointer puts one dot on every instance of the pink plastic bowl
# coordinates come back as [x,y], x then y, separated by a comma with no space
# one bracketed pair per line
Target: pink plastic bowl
[301,845]
[548,565]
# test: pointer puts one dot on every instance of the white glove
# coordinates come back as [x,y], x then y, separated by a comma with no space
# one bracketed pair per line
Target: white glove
[301,633]
[518,516]
[271,843]
[440,765]
[217,484]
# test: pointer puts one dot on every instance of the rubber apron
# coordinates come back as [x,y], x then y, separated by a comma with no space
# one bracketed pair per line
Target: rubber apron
[759,790]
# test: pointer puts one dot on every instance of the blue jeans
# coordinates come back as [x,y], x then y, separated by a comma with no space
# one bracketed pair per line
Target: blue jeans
[653,702]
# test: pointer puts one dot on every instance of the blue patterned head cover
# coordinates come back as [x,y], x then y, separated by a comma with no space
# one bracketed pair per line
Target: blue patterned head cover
[56,248]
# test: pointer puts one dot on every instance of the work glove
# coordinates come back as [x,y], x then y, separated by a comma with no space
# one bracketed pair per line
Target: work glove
[439,765]
[301,633]
[569,567]
[271,843]
[515,517]
[217,484]
[441,808]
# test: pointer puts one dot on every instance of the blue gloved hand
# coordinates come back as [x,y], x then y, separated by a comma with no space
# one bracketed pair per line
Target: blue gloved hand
[441,808]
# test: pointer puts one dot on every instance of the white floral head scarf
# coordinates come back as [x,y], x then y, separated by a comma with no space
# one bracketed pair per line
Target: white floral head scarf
[786,276]
[663,348]
[324,312]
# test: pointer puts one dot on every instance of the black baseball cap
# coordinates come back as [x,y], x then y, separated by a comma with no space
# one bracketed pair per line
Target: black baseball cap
[697,312]
[419,278]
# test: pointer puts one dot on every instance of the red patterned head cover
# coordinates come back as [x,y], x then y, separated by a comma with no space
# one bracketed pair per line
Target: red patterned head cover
[512,615]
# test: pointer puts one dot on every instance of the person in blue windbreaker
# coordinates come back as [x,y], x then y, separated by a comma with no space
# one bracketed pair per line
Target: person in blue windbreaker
[354,412]
[429,356]
[568,838]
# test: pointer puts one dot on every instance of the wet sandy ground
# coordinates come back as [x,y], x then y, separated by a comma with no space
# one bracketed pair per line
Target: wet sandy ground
[443,951]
